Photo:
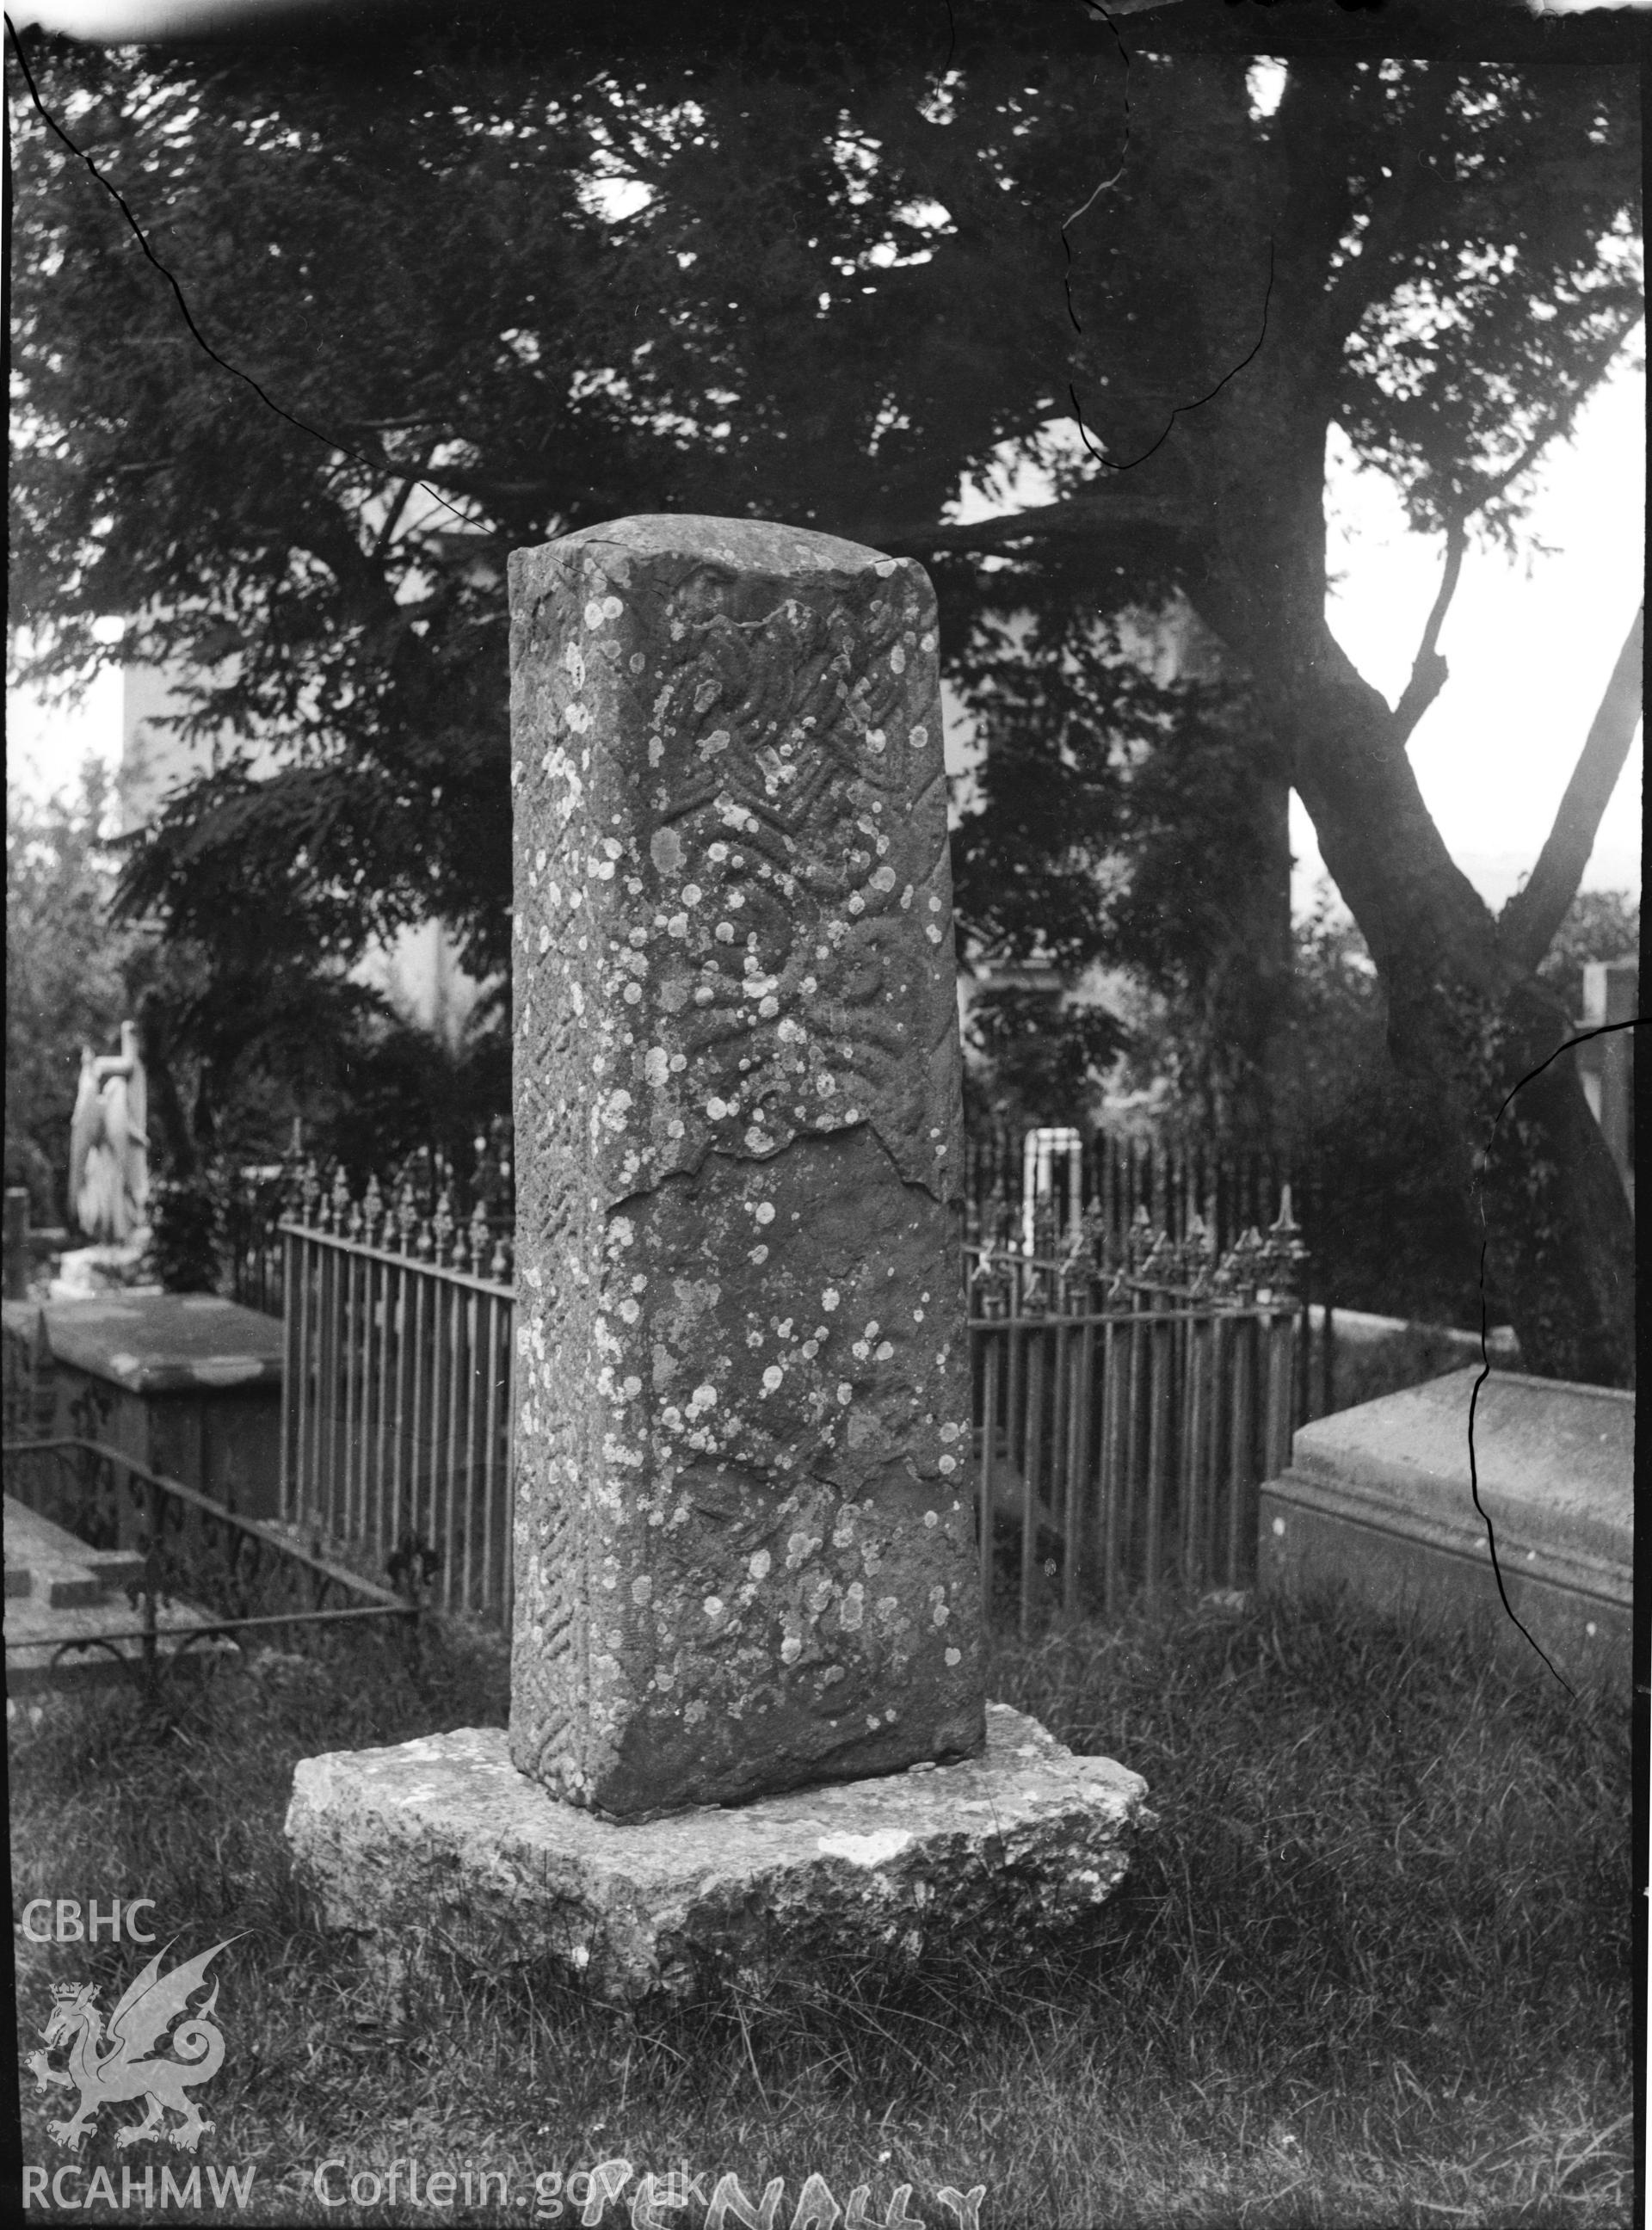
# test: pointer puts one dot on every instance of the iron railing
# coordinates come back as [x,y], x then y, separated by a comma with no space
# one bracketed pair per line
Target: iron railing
[254,1202]
[397,1388]
[1137,1391]
[1124,1412]
[1036,1191]
[246,1578]
[1028,1188]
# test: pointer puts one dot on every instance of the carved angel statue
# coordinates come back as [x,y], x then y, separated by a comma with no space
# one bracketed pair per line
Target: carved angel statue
[109,1143]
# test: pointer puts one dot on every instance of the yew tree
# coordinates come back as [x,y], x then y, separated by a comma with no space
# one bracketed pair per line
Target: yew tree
[496,282]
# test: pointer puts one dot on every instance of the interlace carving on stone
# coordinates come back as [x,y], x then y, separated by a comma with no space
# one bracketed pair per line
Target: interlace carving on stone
[754,988]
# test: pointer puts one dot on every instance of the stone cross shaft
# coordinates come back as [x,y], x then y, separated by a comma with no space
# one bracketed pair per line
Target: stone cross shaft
[744,1548]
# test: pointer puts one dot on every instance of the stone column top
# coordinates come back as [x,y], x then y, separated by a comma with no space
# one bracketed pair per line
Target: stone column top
[747,925]
[748,544]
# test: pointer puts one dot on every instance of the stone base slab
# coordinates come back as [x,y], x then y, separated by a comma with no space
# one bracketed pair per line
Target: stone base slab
[441,1845]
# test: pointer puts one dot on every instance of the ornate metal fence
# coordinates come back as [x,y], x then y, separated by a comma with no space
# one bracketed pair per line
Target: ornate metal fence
[239,1579]
[253,1202]
[1138,1387]
[395,1427]
[1028,1188]
[1127,1401]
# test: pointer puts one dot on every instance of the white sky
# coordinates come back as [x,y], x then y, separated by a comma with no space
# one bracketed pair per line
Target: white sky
[1530,644]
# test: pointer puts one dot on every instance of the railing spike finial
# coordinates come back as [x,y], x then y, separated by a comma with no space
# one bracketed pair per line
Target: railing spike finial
[1201,1254]
[1243,1266]
[989,1275]
[372,1208]
[335,1203]
[1044,1228]
[1159,1265]
[1093,1233]
[406,1216]
[441,1225]
[1284,1253]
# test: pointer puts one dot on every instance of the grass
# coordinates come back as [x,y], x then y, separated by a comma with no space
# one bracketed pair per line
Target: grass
[1374,1967]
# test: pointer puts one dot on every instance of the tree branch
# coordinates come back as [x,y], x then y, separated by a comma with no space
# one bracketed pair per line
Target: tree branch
[1526,925]
[392,517]
[397,425]
[1086,517]
[1429,672]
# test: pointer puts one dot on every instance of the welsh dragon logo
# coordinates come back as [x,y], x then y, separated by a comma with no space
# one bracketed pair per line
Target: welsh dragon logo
[128,2069]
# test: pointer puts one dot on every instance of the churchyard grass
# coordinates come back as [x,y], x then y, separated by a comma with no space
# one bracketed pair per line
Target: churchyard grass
[1372,1968]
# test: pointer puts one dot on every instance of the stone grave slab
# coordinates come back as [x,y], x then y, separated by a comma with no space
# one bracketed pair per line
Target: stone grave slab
[59,1591]
[1379,1498]
[187,1384]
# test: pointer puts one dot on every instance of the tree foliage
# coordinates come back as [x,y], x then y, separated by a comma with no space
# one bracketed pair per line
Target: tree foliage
[794,267]
[1599,925]
[428,265]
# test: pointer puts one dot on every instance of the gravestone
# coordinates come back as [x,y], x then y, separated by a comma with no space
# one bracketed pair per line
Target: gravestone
[746,1574]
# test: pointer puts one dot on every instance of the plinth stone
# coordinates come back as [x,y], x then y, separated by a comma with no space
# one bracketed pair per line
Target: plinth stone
[442,1842]
[744,1554]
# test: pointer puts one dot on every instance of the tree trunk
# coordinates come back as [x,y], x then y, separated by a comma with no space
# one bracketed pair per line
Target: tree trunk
[1247,998]
[1470,1027]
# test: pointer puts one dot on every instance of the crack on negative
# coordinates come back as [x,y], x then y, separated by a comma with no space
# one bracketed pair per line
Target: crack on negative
[1604,1029]
[357,456]
[1111,463]
[1124,153]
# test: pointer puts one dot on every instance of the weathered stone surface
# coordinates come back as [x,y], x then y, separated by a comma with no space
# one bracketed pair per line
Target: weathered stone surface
[744,1560]
[1380,1500]
[441,1839]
